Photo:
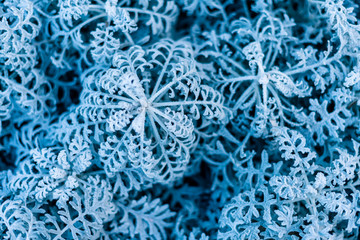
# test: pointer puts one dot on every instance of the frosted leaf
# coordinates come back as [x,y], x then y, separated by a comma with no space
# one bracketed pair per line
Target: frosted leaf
[57,173]
[149,100]
[119,120]
[73,9]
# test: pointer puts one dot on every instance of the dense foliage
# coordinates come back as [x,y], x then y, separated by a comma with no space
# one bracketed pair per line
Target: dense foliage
[179,119]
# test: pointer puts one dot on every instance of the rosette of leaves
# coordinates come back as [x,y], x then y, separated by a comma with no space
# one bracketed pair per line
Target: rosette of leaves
[264,71]
[143,111]
[263,67]
[245,66]
[255,49]
[52,173]
[69,202]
